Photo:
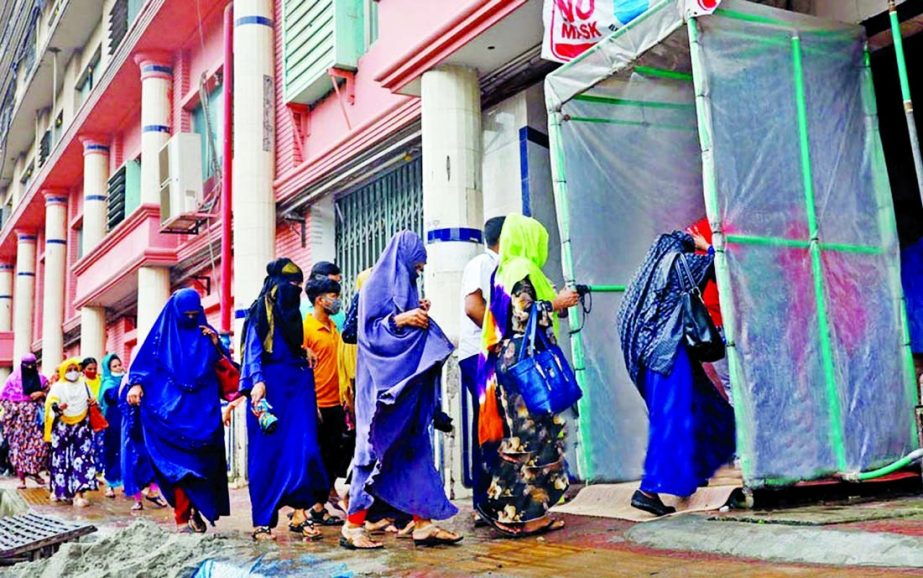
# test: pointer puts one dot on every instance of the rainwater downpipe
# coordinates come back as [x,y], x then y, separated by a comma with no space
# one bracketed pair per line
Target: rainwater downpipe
[226,167]
[905,93]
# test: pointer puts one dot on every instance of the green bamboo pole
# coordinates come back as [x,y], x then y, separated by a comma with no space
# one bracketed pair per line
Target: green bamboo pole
[807,177]
[723,277]
[635,123]
[905,93]
[887,224]
[628,102]
[663,73]
[608,288]
[585,465]
[801,244]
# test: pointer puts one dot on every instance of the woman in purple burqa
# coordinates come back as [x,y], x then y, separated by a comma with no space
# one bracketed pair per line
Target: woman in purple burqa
[401,352]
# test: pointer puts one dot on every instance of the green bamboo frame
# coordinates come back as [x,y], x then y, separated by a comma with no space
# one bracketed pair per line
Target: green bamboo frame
[813,244]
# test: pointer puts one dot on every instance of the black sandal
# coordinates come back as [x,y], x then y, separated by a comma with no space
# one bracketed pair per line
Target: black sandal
[262,531]
[323,518]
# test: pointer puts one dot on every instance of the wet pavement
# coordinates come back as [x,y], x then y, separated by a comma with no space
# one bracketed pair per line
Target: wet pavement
[586,547]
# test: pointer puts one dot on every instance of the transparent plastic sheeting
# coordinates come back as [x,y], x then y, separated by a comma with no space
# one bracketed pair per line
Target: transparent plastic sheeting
[820,389]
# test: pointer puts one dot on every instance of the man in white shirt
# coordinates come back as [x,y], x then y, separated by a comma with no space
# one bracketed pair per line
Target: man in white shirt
[476,281]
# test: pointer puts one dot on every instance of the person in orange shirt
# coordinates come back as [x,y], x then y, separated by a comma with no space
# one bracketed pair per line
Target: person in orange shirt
[322,338]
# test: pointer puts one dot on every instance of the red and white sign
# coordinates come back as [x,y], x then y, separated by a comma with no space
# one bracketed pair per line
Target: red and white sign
[573,26]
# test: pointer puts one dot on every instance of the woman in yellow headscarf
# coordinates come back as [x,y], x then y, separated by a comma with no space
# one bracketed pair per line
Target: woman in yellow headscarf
[67,427]
[523,453]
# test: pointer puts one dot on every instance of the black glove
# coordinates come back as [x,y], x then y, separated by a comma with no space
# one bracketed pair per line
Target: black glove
[442,422]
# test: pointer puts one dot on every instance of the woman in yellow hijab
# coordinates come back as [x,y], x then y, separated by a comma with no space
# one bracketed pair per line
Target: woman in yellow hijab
[67,427]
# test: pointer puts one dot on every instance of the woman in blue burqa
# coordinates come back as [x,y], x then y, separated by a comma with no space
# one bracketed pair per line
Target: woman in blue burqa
[285,466]
[173,381]
[691,432]
[401,352]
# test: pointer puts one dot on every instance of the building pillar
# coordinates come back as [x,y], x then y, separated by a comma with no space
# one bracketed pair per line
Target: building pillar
[254,166]
[95,191]
[153,293]
[156,98]
[55,269]
[6,307]
[452,199]
[452,217]
[93,332]
[24,302]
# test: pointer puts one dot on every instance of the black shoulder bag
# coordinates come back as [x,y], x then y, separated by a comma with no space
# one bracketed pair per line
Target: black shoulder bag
[702,339]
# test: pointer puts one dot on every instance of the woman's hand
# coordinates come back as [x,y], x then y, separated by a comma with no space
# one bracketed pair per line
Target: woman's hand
[91,402]
[414,318]
[566,299]
[700,243]
[62,406]
[135,394]
[425,304]
[228,410]
[257,393]
[210,333]
[36,395]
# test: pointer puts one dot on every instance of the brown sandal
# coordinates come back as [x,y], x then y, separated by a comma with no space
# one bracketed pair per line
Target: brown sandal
[262,534]
[433,535]
[309,533]
[358,539]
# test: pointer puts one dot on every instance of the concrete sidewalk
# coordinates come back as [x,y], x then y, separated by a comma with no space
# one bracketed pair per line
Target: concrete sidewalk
[691,545]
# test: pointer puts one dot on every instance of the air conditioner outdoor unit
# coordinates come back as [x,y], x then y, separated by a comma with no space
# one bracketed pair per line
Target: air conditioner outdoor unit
[180,179]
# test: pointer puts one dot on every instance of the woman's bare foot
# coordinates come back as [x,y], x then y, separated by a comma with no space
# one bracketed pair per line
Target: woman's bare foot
[425,533]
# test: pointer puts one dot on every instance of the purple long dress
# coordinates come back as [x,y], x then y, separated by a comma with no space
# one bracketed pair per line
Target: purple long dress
[397,379]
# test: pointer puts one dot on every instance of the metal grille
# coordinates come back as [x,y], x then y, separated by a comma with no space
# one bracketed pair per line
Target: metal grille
[369,216]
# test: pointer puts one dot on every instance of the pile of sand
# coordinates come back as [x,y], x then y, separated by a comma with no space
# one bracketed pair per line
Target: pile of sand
[142,550]
[12,504]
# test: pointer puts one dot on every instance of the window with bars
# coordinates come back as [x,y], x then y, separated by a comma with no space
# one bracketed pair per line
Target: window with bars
[86,81]
[370,215]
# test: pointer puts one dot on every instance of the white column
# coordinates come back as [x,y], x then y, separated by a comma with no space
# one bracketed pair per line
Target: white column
[453,216]
[24,295]
[153,293]
[92,332]
[55,268]
[95,190]
[254,165]
[6,307]
[156,96]
[452,199]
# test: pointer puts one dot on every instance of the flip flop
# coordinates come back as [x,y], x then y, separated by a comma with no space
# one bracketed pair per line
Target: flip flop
[437,537]
[157,501]
[349,537]
[197,524]
[324,518]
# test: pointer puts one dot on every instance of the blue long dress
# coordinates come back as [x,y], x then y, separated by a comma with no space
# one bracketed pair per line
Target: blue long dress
[112,436]
[398,375]
[181,408]
[285,467]
[137,469]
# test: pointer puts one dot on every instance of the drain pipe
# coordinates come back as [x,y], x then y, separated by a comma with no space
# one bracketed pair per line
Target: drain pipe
[227,303]
[905,93]
[889,469]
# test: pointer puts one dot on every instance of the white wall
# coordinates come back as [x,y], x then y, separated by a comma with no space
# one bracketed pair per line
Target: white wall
[850,10]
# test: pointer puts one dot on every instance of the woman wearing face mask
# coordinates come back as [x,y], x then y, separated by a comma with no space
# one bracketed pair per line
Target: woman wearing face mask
[285,465]
[67,427]
[21,403]
[401,352]
[173,381]
[109,404]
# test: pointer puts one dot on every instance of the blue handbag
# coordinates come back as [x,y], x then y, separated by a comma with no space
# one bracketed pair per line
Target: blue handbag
[542,374]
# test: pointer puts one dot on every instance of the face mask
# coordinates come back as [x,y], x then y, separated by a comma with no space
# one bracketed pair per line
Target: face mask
[188,321]
[72,375]
[289,295]
[334,306]
[118,373]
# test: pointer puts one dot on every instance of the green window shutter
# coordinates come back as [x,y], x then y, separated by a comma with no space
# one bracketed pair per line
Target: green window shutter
[319,35]
[116,203]
[132,185]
